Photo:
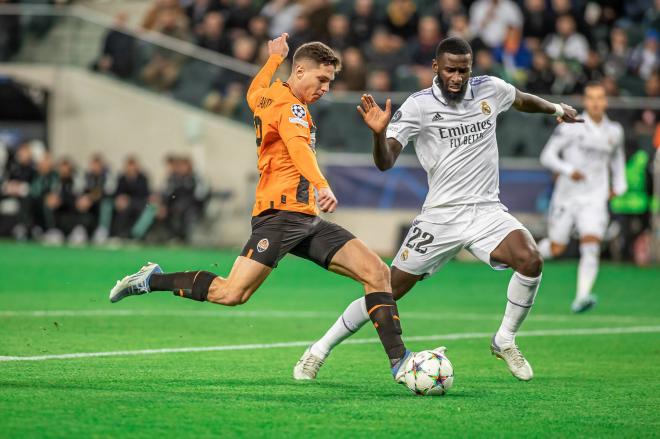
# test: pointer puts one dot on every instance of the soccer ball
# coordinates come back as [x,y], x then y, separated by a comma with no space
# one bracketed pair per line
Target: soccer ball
[429,373]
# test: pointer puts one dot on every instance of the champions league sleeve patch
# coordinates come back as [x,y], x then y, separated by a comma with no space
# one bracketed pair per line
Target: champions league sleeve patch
[396,117]
[298,111]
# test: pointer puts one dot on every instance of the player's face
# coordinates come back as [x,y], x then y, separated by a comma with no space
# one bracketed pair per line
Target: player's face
[595,101]
[314,81]
[453,74]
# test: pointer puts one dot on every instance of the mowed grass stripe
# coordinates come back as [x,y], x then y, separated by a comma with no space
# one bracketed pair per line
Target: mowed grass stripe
[443,337]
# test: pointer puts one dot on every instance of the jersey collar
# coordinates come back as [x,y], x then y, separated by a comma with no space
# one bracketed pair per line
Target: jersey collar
[437,93]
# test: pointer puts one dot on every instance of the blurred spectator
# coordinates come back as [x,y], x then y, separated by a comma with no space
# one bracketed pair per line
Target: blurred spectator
[540,77]
[282,14]
[363,21]
[460,27]
[422,49]
[652,85]
[338,35]
[95,202]
[565,79]
[62,217]
[212,34]
[10,32]
[484,64]
[319,13]
[574,9]
[258,29]
[379,81]
[301,32]
[652,16]
[616,63]
[489,20]
[592,69]
[401,18]
[537,23]
[229,87]
[644,58]
[16,189]
[567,43]
[152,17]
[183,199]
[240,13]
[384,51]
[514,55]
[131,198]
[445,10]
[43,183]
[117,54]
[196,12]
[163,68]
[353,74]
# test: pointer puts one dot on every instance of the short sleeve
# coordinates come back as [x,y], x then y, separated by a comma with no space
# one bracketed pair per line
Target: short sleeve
[505,94]
[405,123]
[294,121]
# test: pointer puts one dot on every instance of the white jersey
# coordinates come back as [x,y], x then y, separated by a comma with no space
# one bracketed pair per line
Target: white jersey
[455,144]
[594,149]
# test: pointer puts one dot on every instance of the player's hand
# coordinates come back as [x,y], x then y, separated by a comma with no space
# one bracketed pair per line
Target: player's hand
[570,115]
[279,46]
[577,176]
[327,201]
[373,115]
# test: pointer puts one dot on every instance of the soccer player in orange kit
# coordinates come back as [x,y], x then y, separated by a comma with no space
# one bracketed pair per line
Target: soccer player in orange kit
[285,215]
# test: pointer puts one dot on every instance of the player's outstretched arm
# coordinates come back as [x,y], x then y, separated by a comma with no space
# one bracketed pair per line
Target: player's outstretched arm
[278,49]
[529,103]
[386,151]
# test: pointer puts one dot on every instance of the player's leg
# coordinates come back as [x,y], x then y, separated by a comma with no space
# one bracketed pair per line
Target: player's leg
[591,224]
[355,315]
[358,262]
[502,241]
[560,223]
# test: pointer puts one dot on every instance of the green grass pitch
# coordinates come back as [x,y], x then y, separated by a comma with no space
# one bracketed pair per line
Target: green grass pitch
[597,374]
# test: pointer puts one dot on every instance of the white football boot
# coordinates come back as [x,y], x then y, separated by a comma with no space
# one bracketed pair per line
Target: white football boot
[515,361]
[399,369]
[134,284]
[584,304]
[308,366]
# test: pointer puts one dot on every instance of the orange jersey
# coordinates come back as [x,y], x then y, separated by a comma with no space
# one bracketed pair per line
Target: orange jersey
[288,170]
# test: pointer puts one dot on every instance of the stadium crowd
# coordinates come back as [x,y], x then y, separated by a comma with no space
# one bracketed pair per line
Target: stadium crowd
[544,46]
[51,200]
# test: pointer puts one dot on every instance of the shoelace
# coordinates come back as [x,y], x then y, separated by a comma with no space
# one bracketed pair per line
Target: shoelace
[312,364]
[516,357]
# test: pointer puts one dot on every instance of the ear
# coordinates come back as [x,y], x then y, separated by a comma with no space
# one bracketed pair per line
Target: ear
[434,66]
[300,71]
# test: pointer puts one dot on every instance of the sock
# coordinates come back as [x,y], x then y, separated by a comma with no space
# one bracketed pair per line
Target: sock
[384,314]
[351,320]
[189,284]
[587,268]
[545,248]
[520,295]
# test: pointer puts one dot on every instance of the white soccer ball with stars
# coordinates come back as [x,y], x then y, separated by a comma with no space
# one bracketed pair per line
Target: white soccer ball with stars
[429,373]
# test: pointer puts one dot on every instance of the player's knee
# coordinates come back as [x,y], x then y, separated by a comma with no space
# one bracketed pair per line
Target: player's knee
[228,296]
[377,275]
[529,262]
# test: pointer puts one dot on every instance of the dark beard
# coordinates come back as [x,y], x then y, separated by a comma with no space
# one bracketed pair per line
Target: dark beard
[453,97]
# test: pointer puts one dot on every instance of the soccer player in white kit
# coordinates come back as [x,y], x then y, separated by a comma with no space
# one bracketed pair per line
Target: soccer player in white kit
[452,125]
[589,161]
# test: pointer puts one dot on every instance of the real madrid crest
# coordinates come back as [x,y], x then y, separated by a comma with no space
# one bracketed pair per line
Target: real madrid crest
[404,255]
[485,108]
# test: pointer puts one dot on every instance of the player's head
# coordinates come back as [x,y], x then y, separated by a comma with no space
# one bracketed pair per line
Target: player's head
[453,65]
[314,66]
[595,100]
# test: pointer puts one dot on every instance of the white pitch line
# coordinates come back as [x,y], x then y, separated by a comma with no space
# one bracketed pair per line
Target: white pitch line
[443,337]
[303,315]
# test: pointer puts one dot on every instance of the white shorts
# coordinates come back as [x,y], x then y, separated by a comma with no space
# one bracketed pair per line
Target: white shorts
[478,229]
[587,219]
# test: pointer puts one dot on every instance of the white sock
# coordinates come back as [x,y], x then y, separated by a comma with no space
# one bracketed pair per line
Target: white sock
[351,320]
[520,294]
[587,268]
[545,248]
